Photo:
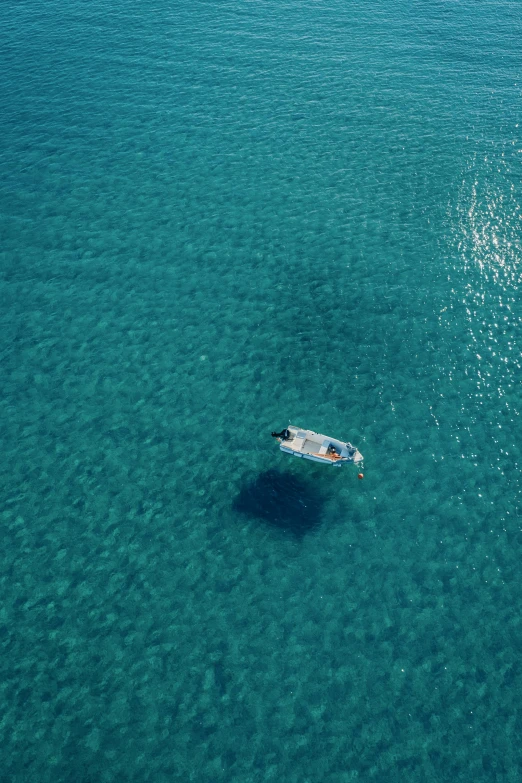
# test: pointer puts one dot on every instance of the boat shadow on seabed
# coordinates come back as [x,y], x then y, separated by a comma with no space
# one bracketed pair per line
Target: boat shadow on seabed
[283,500]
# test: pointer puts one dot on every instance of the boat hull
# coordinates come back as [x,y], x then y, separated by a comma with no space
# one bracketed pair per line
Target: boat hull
[310,445]
[314,458]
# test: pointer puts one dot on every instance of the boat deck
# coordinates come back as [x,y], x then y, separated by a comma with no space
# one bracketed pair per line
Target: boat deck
[310,447]
[307,446]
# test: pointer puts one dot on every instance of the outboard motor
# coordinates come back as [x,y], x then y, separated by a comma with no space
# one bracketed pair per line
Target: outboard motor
[284,434]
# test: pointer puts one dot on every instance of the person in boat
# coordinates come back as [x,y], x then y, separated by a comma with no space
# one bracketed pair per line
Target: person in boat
[284,434]
[332,452]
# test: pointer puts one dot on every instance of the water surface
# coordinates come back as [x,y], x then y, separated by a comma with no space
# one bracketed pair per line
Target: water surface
[216,220]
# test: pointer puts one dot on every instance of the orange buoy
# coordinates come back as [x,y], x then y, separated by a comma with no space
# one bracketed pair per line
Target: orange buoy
[360,475]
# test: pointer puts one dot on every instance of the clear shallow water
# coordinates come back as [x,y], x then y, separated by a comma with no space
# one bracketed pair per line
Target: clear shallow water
[216,220]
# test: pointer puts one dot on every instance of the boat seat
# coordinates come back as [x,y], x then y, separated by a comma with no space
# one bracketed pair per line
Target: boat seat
[298,441]
[324,447]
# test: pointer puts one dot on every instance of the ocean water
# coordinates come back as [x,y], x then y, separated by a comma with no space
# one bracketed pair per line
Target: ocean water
[216,219]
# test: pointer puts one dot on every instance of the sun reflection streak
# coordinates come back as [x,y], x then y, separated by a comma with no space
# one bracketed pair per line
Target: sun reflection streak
[489,222]
[485,276]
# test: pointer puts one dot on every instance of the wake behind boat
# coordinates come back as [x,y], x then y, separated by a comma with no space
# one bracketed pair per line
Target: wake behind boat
[308,444]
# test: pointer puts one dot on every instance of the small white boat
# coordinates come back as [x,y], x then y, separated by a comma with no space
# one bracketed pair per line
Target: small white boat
[318,448]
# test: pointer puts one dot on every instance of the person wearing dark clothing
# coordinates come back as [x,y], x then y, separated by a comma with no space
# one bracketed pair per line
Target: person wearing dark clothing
[284,434]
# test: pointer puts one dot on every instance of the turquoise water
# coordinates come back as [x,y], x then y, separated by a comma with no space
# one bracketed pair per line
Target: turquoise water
[217,219]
